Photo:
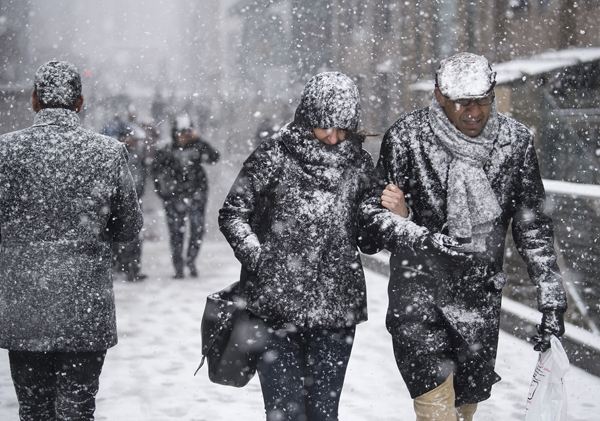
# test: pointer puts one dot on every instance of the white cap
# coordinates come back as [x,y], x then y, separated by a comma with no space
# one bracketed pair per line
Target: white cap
[183,122]
[465,75]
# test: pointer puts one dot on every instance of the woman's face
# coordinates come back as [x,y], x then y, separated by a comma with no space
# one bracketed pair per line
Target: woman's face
[331,136]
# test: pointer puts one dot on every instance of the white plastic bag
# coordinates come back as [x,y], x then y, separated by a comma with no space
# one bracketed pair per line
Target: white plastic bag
[547,400]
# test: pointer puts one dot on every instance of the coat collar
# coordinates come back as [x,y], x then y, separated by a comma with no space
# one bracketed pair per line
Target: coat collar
[304,146]
[56,116]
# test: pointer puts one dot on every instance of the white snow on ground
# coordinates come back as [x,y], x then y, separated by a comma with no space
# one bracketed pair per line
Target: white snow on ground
[148,376]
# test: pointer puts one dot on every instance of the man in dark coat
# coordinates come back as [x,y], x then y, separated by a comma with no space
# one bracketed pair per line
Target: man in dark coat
[181,182]
[65,195]
[460,171]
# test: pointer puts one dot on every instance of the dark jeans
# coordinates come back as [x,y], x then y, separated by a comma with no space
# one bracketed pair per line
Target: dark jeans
[56,386]
[176,213]
[302,372]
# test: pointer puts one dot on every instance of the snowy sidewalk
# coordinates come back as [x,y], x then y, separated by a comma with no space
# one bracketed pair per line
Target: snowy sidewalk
[148,376]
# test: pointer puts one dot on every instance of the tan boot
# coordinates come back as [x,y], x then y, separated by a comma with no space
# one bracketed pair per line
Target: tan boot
[437,404]
[465,412]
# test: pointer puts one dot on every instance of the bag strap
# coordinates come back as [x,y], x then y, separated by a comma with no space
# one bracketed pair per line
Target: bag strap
[208,348]
[202,361]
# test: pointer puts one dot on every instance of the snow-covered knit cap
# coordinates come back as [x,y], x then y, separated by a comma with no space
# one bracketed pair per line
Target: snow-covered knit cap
[57,84]
[465,75]
[329,99]
[183,122]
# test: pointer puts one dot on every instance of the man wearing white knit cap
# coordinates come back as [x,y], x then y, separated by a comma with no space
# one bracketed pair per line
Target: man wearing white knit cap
[459,173]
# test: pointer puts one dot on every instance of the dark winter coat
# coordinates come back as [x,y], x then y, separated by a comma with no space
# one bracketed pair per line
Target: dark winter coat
[291,218]
[459,311]
[65,195]
[119,129]
[179,174]
[138,167]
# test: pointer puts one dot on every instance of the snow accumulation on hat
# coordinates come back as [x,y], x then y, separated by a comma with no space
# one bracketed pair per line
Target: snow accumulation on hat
[57,84]
[329,99]
[465,75]
[183,122]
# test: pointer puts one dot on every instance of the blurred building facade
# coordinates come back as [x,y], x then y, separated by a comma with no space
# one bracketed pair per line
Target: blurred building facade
[231,64]
[387,45]
[14,63]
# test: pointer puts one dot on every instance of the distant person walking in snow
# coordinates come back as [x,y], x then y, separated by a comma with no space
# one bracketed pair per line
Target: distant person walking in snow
[181,182]
[463,172]
[266,129]
[290,218]
[127,256]
[65,195]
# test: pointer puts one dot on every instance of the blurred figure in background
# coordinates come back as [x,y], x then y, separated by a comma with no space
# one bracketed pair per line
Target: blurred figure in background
[266,129]
[127,256]
[181,182]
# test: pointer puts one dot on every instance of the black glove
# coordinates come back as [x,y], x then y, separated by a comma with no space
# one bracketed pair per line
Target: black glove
[553,323]
[443,253]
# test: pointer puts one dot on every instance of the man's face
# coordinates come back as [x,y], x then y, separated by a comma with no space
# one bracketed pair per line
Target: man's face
[184,137]
[470,119]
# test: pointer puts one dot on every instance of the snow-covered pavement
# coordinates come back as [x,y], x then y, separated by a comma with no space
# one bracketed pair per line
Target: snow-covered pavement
[148,376]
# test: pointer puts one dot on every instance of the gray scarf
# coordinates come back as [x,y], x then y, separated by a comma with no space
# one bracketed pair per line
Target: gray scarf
[472,206]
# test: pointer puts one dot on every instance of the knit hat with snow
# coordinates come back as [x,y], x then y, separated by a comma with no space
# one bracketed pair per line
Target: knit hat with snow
[182,123]
[465,75]
[57,84]
[329,100]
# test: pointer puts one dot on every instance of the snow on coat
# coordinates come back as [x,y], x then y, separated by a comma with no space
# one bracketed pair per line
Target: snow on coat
[329,99]
[65,195]
[290,218]
[462,310]
[178,172]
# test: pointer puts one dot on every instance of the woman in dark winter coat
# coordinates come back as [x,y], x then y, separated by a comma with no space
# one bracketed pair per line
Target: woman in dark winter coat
[291,220]
[181,182]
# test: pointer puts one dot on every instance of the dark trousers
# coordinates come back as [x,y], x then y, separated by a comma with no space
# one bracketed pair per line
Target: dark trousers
[176,214]
[302,373]
[56,386]
[127,257]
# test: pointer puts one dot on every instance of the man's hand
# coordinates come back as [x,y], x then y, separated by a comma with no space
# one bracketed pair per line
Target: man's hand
[553,323]
[443,252]
[393,199]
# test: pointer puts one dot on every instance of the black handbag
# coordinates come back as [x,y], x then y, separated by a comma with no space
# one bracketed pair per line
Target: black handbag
[230,338]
